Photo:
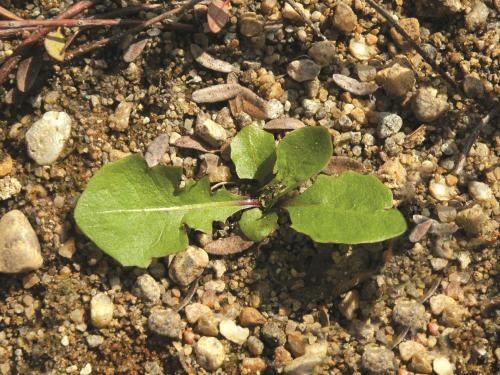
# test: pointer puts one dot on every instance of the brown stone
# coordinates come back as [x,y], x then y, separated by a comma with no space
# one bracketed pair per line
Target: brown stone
[250,317]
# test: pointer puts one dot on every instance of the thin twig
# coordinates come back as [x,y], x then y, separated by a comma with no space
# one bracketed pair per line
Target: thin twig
[189,296]
[80,22]
[417,48]
[12,32]
[306,19]
[5,13]
[472,137]
[20,52]
[174,13]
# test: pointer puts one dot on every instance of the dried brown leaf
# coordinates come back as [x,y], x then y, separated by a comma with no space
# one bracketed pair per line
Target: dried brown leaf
[55,43]
[210,62]
[227,246]
[340,164]
[354,86]
[134,50]
[218,15]
[284,123]
[192,144]
[156,150]
[420,230]
[253,104]
[216,93]
[27,72]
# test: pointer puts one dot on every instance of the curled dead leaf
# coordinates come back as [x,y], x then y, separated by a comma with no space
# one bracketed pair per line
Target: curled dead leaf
[210,62]
[218,15]
[192,144]
[228,245]
[216,93]
[27,72]
[354,86]
[284,123]
[55,43]
[340,164]
[156,150]
[253,104]
[134,50]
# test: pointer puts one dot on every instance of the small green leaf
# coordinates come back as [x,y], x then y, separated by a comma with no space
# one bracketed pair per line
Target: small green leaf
[134,213]
[256,225]
[350,209]
[254,153]
[302,154]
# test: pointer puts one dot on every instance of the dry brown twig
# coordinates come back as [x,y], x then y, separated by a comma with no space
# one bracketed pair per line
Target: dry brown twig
[9,15]
[306,19]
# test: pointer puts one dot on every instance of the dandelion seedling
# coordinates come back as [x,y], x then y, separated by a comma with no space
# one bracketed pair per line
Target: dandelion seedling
[135,213]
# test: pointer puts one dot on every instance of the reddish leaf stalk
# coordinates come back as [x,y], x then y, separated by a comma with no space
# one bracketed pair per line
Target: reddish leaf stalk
[22,50]
[105,41]
[9,15]
[68,23]
[250,203]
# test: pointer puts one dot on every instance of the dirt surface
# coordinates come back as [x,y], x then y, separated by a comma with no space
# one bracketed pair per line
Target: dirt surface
[337,309]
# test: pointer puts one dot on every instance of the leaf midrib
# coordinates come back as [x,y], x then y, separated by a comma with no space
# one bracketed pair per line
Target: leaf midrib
[185,207]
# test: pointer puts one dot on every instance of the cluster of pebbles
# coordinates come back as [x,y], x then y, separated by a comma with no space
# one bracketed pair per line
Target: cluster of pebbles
[424,303]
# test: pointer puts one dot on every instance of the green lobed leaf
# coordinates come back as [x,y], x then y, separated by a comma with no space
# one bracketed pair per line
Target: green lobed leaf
[256,225]
[350,209]
[302,154]
[134,213]
[254,153]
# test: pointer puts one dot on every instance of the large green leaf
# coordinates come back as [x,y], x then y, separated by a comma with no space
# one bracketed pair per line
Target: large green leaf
[135,213]
[254,153]
[350,208]
[256,225]
[302,154]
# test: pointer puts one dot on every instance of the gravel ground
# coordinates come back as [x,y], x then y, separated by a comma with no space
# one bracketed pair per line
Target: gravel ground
[422,303]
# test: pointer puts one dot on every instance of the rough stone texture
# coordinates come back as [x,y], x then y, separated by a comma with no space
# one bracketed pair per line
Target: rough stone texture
[195,311]
[409,313]
[407,349]
[412,28]
[273,334]
[480,191]
[234,333]
[421,362]
[188,265]
[47,137]
[9,187]
[442,366]
[323,53]
[396,80]
[473,86]
[6,164]
[119,120]
[428,105]
[377,359]
[477,17]
[19,246]
[255,346]
[208,325]
[388,124]
[147,288]
[303,365]
[296,343]
[210,131]
[101,310]
[303,70]
[250,316]
[166,322]
[344,19]
[210,353]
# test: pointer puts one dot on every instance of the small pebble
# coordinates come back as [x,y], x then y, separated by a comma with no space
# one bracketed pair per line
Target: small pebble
[273,334]
[377,359]
[47,137]
[188,265]
[440,190]
[303,70]
[409,313]
[101,310]
[344,19]
[303,365]
[349,304]
[296,343]
[19,246]
[253,366]
[407,349]
[210,353]
[396,80]
[428,105]
[119,120]
[210,131]
[323,53]
[250,317]
[359,48]
[421,362]
[67,249]
[6,164]
[389,124]
[477,17]
[480,191]
[208,325]
[86,370]
[473,86]
[234,333]
[166,322]
[255,346]
[440,302]
[94,341]
[195,311]
[147,288]
[442,366]
[282,357]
